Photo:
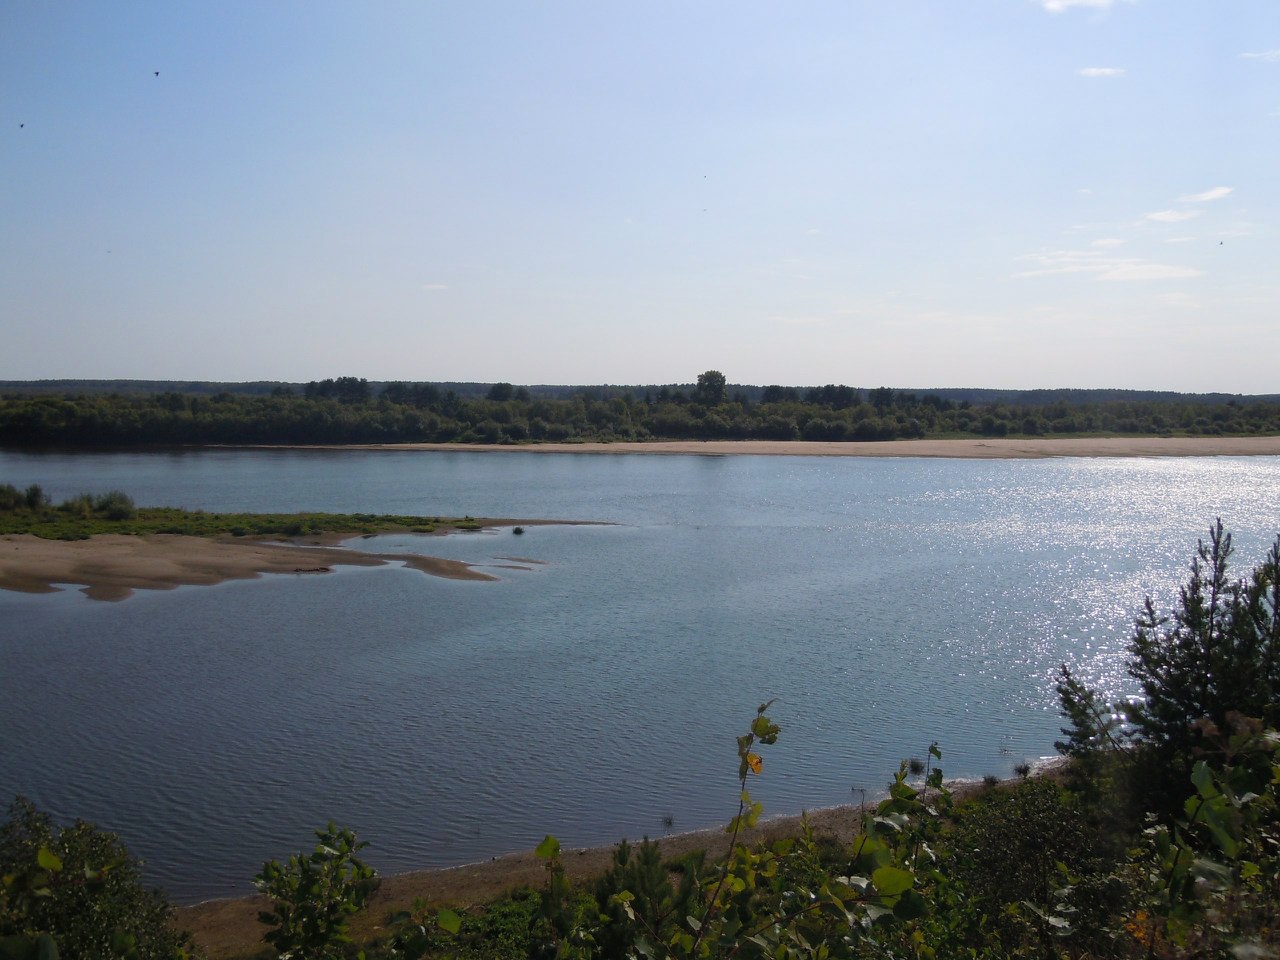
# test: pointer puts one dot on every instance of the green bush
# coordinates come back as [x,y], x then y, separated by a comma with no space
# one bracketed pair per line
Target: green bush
[36,498]
[83,892]
[1217,653]
[11,498]
[313,897]
[115,505]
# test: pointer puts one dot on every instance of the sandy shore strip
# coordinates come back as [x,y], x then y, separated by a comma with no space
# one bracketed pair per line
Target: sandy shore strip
[1030,448]
[112,566]
[229,929]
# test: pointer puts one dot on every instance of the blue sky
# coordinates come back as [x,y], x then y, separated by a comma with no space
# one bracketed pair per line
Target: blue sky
[1003,193]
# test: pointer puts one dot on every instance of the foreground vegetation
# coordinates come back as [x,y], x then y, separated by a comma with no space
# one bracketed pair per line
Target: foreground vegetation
[349,410]
[80,517]
[1162,841]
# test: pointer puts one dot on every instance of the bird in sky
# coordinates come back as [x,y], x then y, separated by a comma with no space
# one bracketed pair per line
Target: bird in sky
[157,73]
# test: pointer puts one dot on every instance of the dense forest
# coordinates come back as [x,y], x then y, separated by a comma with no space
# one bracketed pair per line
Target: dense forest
[352,410]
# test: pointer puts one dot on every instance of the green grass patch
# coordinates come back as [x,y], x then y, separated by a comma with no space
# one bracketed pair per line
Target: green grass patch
[53,523]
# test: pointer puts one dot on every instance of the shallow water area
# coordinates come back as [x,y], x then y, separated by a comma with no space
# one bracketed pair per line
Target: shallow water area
[885,603]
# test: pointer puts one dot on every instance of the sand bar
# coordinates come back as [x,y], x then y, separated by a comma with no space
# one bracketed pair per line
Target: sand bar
[1029,448]
[112,566]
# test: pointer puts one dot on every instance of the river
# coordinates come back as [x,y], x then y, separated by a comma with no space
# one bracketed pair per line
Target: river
[885,603]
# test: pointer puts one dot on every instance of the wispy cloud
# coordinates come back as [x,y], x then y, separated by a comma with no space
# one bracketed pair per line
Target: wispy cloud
[1217,193]
[435,286]
[1102,72]
[1101,267]
[1179,239]
[1270,55]
[1137,270]
[1108,242]
[1058,6]
[1172,216]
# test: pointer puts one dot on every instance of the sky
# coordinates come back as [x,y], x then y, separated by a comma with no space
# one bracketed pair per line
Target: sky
[914,194]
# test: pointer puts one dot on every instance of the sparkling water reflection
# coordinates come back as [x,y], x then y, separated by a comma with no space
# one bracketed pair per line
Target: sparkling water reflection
[886,603]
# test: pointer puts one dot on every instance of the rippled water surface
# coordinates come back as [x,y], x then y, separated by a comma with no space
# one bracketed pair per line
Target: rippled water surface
[886,603]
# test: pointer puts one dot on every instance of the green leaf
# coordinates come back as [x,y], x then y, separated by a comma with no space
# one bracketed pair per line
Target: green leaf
[910,906]
[892,881]
[1203,780]
[449,920]
[48,860]
[548,848]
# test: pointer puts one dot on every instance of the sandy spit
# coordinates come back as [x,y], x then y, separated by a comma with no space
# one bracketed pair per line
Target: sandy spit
[112,566]
[972,449]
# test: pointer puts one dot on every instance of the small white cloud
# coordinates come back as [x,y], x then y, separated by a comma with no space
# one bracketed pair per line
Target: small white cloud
[1108,242]
[1172,216]
[435,286]
[1270,55]
[1102,72]
[1217,193]
[1085,191]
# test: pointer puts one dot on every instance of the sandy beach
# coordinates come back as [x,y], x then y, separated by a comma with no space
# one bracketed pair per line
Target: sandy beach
[113,566]
[1030,448]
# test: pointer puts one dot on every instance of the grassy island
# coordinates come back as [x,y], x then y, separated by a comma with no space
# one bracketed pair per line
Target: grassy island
[113,547]
[87,515]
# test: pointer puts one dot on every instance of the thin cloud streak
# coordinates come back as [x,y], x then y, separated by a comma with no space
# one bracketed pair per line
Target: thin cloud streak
[1102,72]
[1272,56]
[1217,193]
[1172,216]
[1063,262]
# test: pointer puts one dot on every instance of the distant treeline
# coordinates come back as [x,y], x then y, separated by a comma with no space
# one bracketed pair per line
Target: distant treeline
[351,410]
[749,393]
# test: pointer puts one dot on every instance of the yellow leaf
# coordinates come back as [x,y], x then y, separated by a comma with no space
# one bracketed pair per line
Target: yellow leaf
[754,762]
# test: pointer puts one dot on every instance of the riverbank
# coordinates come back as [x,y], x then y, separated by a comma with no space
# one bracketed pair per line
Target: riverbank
[1026,448]
[229,929]
[113,566]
